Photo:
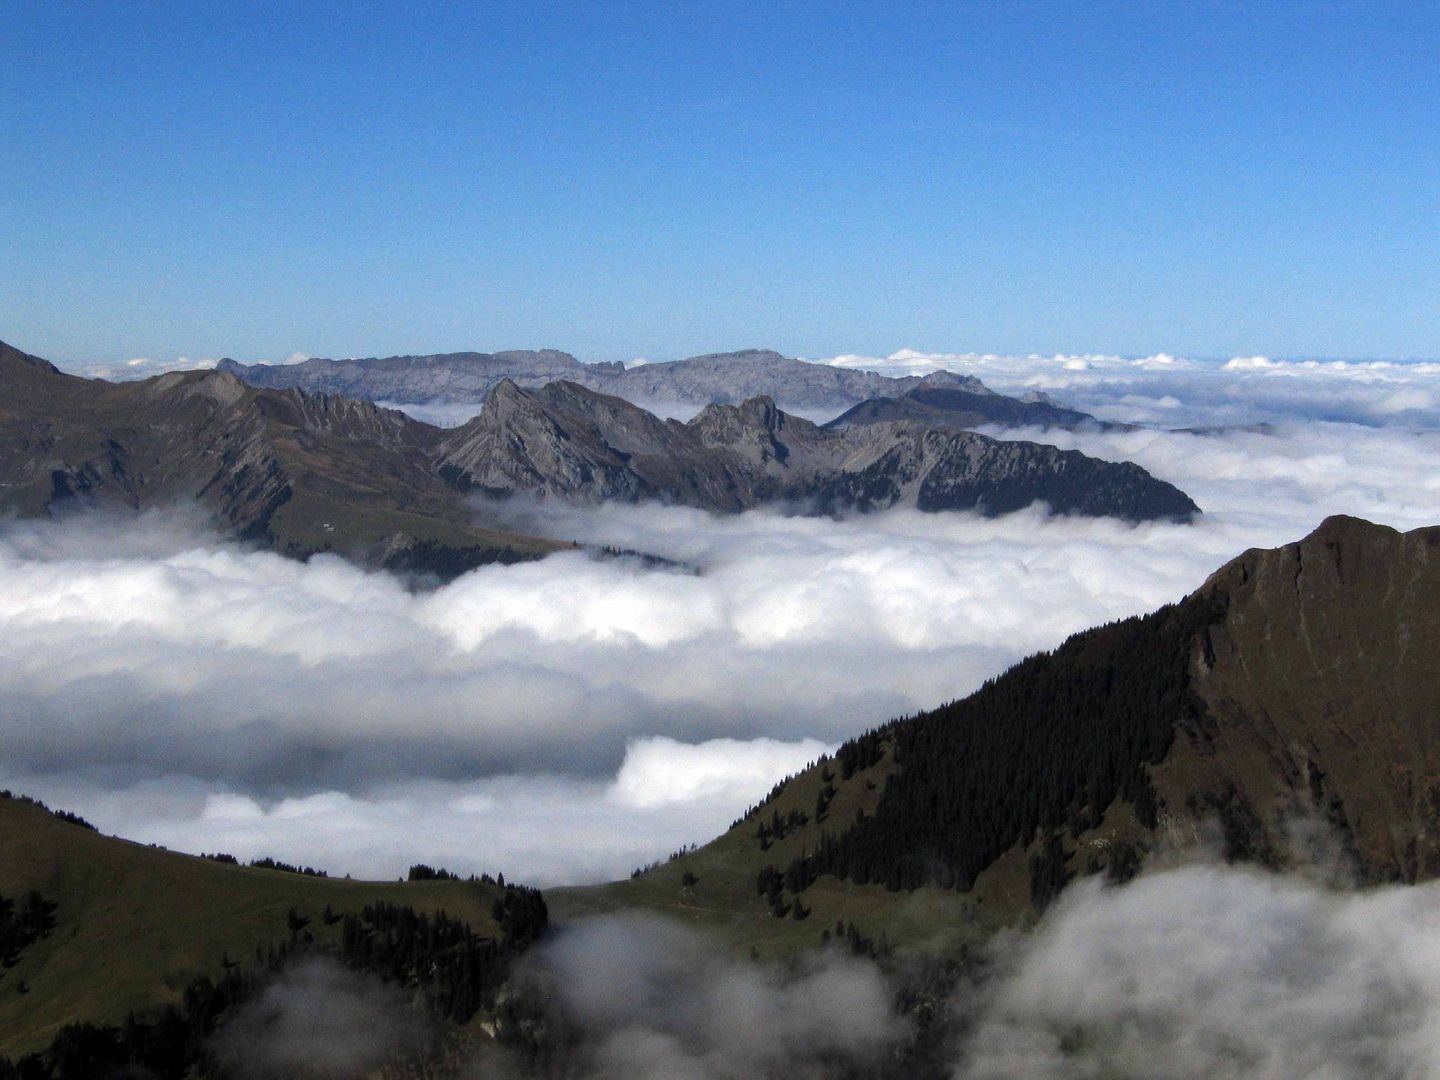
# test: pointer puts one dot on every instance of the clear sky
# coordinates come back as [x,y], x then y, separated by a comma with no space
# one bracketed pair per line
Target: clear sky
[627,180]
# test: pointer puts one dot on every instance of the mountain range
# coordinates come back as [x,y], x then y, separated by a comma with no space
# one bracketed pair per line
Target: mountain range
[295,472]
[963,408]
[716,378]
[566,441]
[303,472]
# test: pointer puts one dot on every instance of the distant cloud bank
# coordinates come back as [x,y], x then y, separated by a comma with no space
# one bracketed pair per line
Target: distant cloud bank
[1180,391]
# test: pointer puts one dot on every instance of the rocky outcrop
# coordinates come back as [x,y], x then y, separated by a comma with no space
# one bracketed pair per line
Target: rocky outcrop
[1321,702]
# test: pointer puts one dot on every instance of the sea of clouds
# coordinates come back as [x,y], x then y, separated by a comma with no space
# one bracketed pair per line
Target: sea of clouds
[570,719]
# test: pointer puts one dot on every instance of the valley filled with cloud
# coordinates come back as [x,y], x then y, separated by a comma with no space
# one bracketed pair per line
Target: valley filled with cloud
[569,719]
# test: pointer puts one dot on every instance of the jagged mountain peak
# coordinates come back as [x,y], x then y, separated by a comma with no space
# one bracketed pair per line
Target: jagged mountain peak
[284,463]
[759,412]
[507,390]
[953,379]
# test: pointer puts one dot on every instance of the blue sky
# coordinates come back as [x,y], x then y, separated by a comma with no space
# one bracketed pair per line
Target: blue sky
[627,180]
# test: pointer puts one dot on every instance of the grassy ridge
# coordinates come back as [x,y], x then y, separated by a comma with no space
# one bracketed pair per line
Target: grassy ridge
[135,923]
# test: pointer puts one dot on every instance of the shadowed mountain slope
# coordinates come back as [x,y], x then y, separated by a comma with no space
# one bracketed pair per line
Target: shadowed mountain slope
[133,925]
[958,408]
[297,472]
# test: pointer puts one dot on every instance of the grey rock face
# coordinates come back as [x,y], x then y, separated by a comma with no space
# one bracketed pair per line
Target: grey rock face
[566,442]
[717,378]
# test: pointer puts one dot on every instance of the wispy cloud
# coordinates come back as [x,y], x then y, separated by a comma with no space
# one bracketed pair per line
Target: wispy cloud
[1209,970]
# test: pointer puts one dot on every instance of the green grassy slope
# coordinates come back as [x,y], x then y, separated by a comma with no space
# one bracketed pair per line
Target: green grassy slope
[724,900]
[135,923]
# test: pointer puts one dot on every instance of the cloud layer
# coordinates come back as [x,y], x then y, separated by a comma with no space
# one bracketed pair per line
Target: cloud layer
[1191,970]
[572,718]
[320,1019]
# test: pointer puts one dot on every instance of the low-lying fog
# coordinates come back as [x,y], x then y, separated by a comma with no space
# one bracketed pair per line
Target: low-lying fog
[569,719]
[1199,970]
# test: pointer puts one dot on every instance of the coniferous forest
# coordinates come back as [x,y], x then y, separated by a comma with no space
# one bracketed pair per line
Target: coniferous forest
[1047,746]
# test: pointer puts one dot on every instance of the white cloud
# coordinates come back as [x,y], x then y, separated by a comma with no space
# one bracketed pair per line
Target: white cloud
[318,1018]
[647,999]
[1216,971]
[660,771]
[143,367]
[1249,363]
[445,414]
[139,367]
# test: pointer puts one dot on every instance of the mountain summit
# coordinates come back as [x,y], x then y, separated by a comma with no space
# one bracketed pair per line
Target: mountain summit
[299,473]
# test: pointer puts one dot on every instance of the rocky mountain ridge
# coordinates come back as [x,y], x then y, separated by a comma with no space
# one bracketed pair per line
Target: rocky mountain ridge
[716,378]
[959,408]
[568,442]
[299,473]
[304,473]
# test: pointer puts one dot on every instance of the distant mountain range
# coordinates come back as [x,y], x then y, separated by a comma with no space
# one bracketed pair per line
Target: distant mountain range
[717,378]
[303,473]
[299,473]
[1290,697]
